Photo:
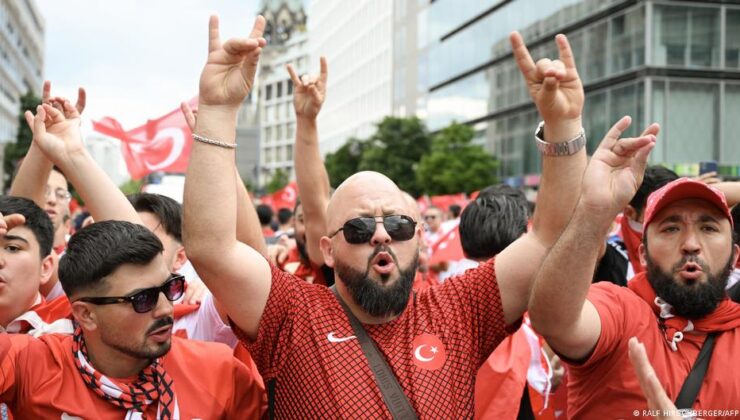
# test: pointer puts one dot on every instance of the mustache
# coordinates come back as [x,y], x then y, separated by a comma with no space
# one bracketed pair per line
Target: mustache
[160,323]
[691,259]
[382,248]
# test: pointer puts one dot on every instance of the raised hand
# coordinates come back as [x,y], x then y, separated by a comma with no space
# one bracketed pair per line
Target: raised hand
[228,75]
[554,85]
[616,168]
[656,397]
[309,91]
[56,133]
[58,102]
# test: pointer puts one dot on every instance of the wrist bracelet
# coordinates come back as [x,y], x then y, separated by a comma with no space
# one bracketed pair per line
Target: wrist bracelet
[213,142]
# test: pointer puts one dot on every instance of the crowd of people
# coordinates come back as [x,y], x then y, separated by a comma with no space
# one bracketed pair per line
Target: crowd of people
[223,308]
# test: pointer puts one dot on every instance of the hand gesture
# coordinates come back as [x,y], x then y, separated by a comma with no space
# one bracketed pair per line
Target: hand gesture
[708,178]
[10,221]
[228,75]
[58,102]
[616,169]
[56,133]
[656,397]
[194,293]
[554,85]
[308,92]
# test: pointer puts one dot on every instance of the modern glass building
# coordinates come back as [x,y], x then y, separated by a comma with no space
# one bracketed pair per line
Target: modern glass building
[673,62]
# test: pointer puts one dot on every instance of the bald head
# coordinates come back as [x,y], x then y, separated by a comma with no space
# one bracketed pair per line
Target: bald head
[363,191]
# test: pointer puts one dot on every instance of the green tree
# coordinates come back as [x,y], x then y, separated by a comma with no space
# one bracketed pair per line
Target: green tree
[132,186]
[14,152]
[345,161]
[455,164]
[395,150]
[279,180]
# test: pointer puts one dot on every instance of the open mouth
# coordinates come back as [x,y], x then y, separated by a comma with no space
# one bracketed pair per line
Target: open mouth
[383,263]
[690,272]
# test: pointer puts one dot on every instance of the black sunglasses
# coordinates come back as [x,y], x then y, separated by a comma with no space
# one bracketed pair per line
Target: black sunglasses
[359,230]
[145,300]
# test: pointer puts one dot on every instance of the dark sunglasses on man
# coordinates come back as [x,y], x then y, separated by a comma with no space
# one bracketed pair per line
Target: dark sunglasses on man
[361,229]
[145,300]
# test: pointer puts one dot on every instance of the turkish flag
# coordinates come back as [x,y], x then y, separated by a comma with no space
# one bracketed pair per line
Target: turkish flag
[447,248]
[283,198]
[445,201]
[162,144]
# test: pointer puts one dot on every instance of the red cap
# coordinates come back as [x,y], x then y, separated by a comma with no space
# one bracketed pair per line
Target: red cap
[680,189]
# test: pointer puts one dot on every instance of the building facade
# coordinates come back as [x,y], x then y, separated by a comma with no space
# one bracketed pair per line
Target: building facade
[356,37]
[673,62]
[21,61]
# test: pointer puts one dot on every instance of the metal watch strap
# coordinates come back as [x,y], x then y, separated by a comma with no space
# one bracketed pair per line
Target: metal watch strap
[568,148]
[396,401]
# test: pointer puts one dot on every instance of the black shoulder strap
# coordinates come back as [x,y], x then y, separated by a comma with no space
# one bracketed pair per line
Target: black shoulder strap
[692,384]
[396,401]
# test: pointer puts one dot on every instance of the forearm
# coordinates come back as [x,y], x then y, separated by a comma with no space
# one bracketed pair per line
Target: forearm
[562,283]
[32,176]
[560,185]
[102,197]
[731,191]
[248,229]
[209,226]
[313,184]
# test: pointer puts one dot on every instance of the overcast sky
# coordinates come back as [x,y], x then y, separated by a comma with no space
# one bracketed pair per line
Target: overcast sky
[137,59]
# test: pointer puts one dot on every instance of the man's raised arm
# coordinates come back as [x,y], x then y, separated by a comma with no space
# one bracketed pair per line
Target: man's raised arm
[311,176]
[557,91]
[237,275]
[558,307]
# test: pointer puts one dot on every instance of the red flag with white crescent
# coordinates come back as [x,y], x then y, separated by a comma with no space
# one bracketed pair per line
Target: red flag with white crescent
[283,198]
[162,144]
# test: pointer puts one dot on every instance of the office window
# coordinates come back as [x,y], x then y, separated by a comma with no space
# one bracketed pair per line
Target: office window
[686,36]
[691,129]
[732,39]
[731,146]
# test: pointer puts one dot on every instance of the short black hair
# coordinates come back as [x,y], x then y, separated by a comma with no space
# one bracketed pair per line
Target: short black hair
[735,213]
[655,177]
[284,215]
[167,210]
[36,220]
[99,249]
[264,213]
[491,222]
[455,210]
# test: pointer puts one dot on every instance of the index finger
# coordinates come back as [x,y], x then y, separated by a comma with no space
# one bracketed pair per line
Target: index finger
[81,100]
[46,91]
[324,69]
[293,75]
[521,54]
[566,53]
[214,42]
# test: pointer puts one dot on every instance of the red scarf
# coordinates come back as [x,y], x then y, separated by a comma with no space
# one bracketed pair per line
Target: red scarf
[632,240]
[152,385]
[725,317]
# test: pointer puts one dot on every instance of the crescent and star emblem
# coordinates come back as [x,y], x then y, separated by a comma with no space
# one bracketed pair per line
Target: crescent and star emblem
[419,357]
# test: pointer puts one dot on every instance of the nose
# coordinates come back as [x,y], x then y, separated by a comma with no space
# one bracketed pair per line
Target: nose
[380,236]
[690,243]
[164,307]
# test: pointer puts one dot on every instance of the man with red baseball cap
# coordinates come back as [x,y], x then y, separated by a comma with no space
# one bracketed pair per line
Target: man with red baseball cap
[673,307]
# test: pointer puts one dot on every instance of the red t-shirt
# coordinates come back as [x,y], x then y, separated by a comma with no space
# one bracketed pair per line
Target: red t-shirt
[305,343]
[40,380]
[606,386]
[310,272]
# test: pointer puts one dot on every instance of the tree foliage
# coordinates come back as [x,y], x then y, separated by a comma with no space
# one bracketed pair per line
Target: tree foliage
[14,152]
[279,180]
[454,164]
[395,150]
[345,161]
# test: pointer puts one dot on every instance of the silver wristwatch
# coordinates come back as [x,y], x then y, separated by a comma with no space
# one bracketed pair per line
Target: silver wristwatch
[568,148]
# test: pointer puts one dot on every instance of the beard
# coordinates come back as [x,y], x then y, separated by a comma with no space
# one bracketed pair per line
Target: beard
[374,298]
[143,350]
[691,302]
[302,253]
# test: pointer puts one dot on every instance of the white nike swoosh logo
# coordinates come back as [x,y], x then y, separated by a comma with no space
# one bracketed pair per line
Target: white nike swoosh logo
[333,339]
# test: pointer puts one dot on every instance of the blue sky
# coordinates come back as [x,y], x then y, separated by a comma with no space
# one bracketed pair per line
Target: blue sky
[137,59]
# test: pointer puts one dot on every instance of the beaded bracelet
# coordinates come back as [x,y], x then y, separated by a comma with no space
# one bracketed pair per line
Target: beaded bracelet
[213,142]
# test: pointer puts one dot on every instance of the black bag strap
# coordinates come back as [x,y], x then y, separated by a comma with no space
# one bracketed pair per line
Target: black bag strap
[396,401]
[692,384]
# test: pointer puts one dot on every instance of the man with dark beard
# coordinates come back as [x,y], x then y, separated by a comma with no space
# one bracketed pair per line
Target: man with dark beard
[435,340]
[672,308]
